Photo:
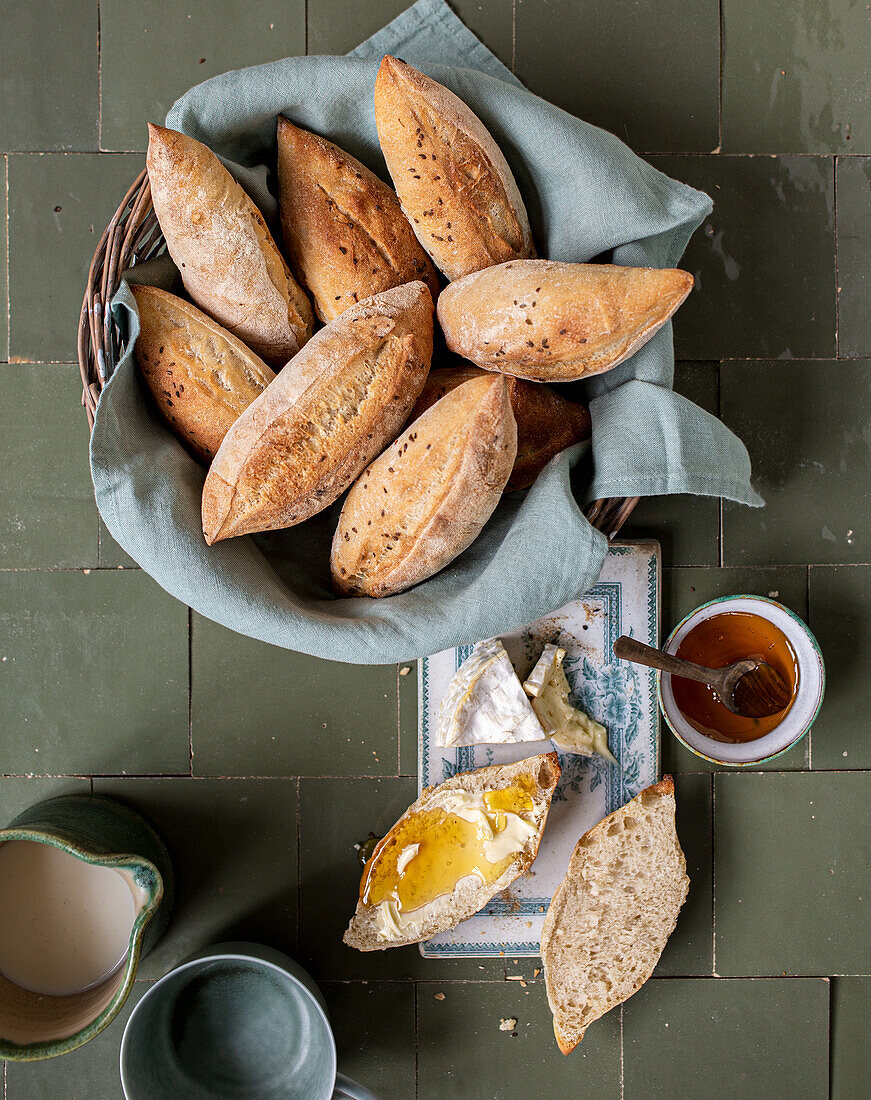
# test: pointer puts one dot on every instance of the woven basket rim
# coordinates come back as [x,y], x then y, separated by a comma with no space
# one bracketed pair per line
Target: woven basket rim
[132,236]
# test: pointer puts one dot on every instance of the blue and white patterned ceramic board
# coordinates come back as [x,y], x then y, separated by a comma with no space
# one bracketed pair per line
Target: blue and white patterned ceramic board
[620,695]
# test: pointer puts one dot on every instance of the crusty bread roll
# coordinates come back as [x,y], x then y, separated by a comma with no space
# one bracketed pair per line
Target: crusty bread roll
[427,497]
[454,184]
[324,418]
[546,422]
[556,322]
[202,377]
[612,914]
[344,229]
[375,927]
[229,263]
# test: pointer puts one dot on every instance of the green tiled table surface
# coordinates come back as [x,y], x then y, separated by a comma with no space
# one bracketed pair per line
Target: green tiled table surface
[263,768]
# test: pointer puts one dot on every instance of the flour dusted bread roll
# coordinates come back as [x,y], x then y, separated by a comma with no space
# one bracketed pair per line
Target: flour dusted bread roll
[229,263]
[612,914]
[324,418]
[201,376]
[454,184]
[456,847]
[546,422]
[427,497]
[345,232]
[557,322]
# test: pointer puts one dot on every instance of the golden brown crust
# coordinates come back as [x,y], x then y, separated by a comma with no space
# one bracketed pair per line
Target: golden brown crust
[229,263]
[546,422]
[454,184]
[329,412]
[344,229]
[427,497]
[201,376]
[557,322]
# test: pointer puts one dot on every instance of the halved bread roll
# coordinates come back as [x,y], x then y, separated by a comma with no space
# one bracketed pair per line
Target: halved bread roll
[557,322]
[344,229]
[454,184]
[229,263]
[324,418]
[201,376]
[456,847]
[426,498]
[612,914]
[546,422]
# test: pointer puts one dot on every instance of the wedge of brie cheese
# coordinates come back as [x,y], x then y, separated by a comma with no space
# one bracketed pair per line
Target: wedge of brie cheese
[485,703]
[569,728]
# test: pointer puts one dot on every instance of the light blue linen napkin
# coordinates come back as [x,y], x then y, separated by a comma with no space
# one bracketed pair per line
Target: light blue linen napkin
[587,195]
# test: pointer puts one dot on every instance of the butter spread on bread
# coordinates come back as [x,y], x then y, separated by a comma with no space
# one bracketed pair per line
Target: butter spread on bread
[454,184]
[485,703]
[557,322]
[229,263]
[612,914]
[456,847]
[546,422]
[345,232]
[324,418]
[201,376]
[427,497]
[568,727]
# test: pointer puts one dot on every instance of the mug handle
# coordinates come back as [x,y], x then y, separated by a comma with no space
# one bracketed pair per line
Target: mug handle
[346,1089]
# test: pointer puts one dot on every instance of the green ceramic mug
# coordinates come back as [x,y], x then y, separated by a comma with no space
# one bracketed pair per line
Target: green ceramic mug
[102,833]
[234,1020]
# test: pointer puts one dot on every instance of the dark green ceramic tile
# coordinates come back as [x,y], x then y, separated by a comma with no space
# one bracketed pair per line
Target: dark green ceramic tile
[851,1008]
[260,710]
[93,674]
[17,795]
[152,53]
[764,261]
[336,27]
[111,554]
[335,815]
[233,848]
[810,461]
[688,527]
[685,589]
[463,1052]
[795,77]
[854,256]
[724,1040]
[48,56]
[373,1023]
[840,617]
[792,876]
[690,948]
[47,512]
[89,1073]
[606,64]
[58,207]
[406,676]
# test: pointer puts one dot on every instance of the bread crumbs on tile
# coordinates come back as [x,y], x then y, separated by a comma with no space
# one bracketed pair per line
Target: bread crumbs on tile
[404,671]
[508,1023]
[438,996]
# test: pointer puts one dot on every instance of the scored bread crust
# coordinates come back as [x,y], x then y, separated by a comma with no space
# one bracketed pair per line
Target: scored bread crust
[546,422]
[468,898]
[201,376]
[324,418]
[345,232]
[557,322]
[228,261]
[427,497]
[454,184]
[606,927]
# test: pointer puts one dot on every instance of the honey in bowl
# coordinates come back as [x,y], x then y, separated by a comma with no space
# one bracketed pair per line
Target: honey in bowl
[717,642]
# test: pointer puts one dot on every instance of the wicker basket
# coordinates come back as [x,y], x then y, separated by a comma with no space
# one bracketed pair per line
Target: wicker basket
[133,235]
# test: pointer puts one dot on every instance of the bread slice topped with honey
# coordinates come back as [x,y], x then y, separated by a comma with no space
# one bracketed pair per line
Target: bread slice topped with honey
[456,847]
[612,914]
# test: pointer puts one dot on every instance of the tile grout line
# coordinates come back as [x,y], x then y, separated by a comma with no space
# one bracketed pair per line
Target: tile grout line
[622,1056]
[416,1026]
[713,878]
[837,265]
[191,692]
[8,302]
[305,27]
[99,79]
[810,732]
[298,862]
[513,35]
[720,79]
